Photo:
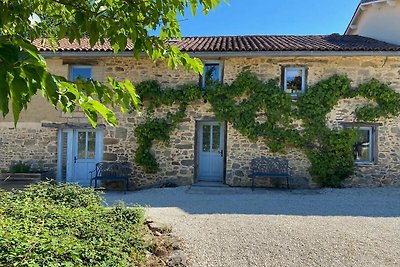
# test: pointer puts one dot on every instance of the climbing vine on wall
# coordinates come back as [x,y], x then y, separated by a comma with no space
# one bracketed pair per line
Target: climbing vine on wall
[159,129]
[261,110]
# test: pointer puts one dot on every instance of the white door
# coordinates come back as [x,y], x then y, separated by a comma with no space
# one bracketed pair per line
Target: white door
[80,150]
[211,143]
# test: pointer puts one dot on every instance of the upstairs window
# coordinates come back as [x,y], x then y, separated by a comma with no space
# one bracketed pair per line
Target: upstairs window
[212,74]
[294,80]
[81,72]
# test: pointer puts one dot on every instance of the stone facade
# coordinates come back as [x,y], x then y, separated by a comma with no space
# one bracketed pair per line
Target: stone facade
[30,141]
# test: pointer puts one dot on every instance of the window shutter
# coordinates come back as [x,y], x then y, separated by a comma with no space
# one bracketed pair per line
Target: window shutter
[375,153]
[222,66]
[283,78]
[305,79]
[201,82]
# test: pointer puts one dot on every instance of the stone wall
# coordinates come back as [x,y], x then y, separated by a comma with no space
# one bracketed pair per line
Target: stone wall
[29,143]
[177,160]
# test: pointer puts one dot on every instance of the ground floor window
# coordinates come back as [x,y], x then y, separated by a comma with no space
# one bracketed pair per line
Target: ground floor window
[365,149]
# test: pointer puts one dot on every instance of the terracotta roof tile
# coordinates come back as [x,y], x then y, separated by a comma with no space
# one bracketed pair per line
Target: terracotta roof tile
[333,42]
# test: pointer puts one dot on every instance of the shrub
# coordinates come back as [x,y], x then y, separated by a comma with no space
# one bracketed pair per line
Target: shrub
[66,225]
[20,167]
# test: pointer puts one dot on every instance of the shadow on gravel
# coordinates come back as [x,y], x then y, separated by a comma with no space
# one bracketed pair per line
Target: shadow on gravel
[378,202]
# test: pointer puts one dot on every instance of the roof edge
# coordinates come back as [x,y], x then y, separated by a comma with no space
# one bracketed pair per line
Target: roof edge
[231,54]
[355,15]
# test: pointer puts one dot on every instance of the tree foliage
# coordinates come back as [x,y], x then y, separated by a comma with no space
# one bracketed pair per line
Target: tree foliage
[24,72]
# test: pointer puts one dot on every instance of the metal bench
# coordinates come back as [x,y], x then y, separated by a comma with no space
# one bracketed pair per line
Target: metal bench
[264,167]
[111,171]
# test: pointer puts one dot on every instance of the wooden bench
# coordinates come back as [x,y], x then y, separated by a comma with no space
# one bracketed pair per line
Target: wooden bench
[111,171]
[264,167]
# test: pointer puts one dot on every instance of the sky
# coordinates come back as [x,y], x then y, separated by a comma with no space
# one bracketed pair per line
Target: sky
[247,17]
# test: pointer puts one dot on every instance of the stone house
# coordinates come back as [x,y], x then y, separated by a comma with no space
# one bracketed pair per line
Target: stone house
[202,148]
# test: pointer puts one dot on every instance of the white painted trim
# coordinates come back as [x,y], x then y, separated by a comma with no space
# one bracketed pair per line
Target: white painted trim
[376,2]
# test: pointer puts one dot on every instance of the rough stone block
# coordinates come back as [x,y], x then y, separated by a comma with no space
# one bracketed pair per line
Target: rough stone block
[187,146]
[109,157]
[110,141]
[187,162]
[121,133]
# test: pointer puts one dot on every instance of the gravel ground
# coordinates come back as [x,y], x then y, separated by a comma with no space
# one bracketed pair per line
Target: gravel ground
[238,227]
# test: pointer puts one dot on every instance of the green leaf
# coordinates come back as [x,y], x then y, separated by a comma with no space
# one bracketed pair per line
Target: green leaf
[32,50]
[50,88]
[131,90]
[4,93]
[18,89]
[105,112]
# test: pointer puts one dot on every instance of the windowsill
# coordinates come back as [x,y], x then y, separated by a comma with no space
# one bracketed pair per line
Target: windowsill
[364,163]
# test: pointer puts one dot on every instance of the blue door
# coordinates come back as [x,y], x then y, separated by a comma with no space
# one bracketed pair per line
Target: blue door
[79,151]
[210,147]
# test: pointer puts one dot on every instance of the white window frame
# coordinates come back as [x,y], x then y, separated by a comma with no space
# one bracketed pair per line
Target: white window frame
[370,146]
[72,67]
[303,80]
[212,62]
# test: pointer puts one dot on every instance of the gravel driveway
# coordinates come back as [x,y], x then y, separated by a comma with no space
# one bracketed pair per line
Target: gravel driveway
[238,227]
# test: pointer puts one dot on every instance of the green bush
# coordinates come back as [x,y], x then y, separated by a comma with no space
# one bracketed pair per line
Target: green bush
[66,225]
[20,167]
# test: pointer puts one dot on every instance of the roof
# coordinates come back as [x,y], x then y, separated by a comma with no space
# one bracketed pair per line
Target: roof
[333,42]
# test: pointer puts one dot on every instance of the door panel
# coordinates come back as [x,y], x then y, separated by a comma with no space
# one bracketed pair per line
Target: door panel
[211,143]
[84,150]
[85,156]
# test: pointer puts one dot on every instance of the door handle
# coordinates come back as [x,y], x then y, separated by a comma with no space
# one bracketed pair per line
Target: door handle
[75,159]
[221,152]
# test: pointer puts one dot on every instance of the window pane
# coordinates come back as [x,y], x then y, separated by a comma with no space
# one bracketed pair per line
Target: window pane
[362,148]
[91,145]
[211,74]
[216,132]
[81,145]
[81,72]
[294,80]
[206,138]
